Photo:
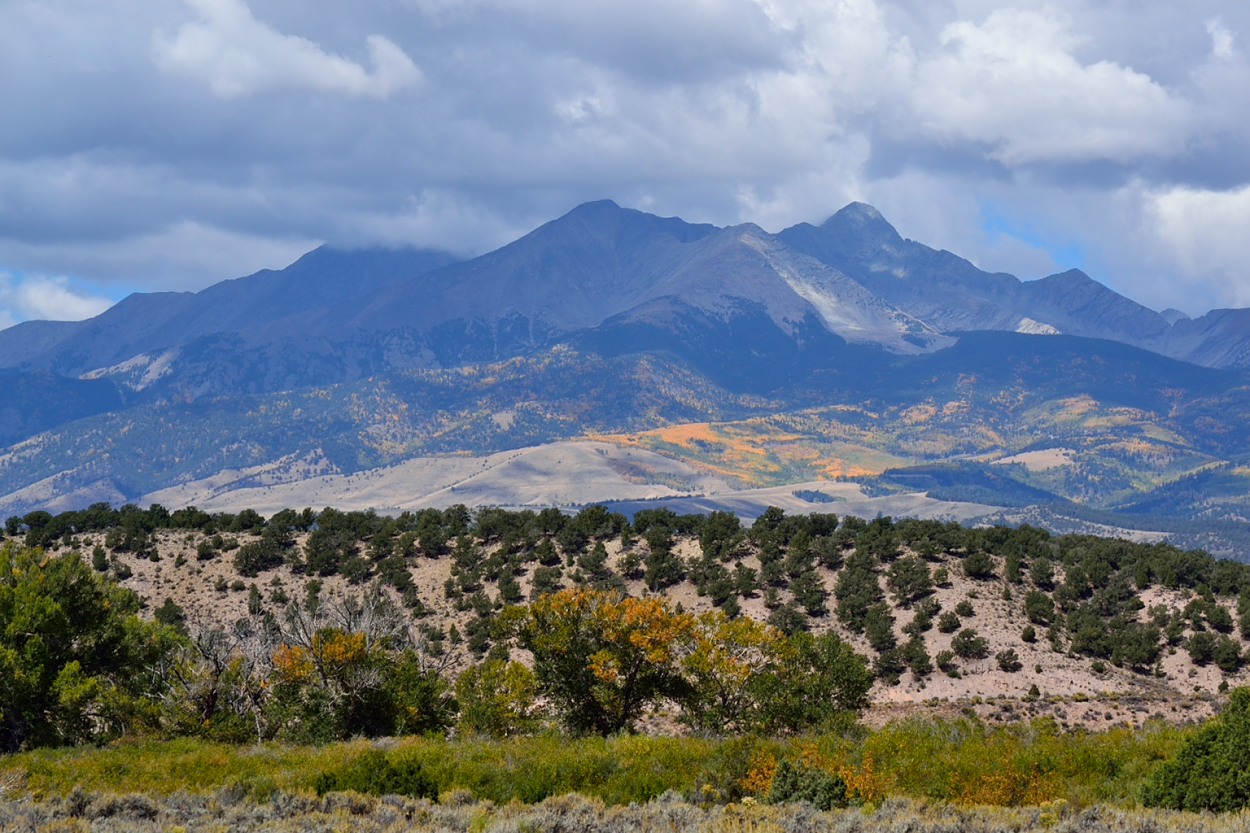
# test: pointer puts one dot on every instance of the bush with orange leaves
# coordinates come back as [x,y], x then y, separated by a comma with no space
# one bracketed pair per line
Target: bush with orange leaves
[602,659]
[863,785]
[292,663]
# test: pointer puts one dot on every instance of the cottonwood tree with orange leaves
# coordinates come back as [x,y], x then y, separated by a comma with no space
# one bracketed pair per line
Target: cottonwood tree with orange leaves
[602,659]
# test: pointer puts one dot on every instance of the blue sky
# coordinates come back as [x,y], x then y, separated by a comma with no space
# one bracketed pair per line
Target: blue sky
[165,146]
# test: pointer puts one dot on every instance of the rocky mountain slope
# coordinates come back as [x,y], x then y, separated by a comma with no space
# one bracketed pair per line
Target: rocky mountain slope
[953,295]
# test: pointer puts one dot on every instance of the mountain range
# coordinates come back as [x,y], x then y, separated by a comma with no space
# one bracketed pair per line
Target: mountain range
[704,363]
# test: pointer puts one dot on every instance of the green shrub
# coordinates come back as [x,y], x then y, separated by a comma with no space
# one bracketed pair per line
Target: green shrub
[968,645]
[1201,647]
[909,579]
[920,623]
[76,663]
[171,613]
[979,566]
[374,773]
[251,559]
[497,698]
[879,627]
[857,590]
[797,782]
[1039,608]
[619,770]
[1219,618]
[917,657]
[890,665]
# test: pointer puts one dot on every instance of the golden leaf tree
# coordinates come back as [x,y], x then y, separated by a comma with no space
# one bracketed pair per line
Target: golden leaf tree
[601,659]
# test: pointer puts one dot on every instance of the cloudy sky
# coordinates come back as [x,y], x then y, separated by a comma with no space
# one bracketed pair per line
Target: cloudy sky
[168,144]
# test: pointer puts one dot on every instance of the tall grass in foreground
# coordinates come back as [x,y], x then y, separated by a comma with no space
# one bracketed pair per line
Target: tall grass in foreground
[960,762]
[1022,764]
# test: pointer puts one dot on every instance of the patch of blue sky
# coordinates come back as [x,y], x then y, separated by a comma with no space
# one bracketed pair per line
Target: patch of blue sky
[1066,254]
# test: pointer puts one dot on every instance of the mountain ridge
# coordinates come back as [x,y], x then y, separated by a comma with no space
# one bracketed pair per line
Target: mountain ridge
[601,242]
[875,351]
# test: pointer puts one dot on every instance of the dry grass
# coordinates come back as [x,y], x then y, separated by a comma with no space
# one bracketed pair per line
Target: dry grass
[226,810]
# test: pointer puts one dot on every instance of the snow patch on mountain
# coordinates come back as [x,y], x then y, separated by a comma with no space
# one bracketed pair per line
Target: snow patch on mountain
[138,372]
[1030,327]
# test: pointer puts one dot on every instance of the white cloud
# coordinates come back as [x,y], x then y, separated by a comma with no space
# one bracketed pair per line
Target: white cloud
[1221,39]
[812,195]
[237,55]
[445,219]
[1203,233]
[191,255]
[656,40]
[1072,116]
[45,298]
[1013,83]
[1222,88]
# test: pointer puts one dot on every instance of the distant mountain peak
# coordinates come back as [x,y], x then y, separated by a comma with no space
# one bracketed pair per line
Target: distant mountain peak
[607,217]
[596,207]
[860,214]
[862,210]
[1071,277]
[862,229]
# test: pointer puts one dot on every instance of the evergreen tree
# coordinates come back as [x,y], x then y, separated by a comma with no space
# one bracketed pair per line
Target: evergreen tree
[1209,773]
[909,580]
[857,589]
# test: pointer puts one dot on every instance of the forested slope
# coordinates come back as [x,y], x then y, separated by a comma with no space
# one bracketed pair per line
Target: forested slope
[358,612]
